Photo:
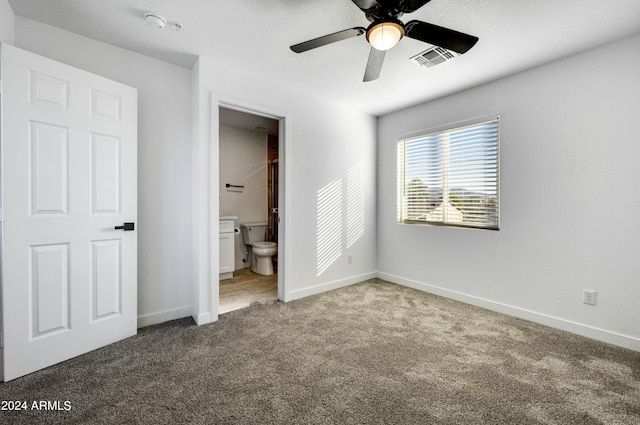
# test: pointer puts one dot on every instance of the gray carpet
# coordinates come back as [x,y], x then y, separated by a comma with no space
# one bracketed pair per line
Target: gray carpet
[372,353]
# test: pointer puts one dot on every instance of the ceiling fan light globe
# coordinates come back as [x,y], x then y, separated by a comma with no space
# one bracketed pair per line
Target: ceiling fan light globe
[384,35]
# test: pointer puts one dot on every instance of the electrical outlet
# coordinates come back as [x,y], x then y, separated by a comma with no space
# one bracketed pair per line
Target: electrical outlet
[589,296]
[349,258]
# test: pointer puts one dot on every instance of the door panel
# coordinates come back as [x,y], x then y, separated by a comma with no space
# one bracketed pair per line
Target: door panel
[48,163]
[69,143]
[49,91]
[49,287]
[105,174]
[106,284]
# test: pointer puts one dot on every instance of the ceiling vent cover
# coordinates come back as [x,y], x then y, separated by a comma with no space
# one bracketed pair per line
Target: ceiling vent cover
[433,56]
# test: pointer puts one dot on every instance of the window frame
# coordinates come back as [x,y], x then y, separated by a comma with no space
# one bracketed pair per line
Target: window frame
[444,132]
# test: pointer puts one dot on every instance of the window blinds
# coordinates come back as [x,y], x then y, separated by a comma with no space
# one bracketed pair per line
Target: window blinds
[451,177]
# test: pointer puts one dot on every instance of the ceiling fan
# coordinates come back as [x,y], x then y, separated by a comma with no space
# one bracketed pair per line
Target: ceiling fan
[386,30]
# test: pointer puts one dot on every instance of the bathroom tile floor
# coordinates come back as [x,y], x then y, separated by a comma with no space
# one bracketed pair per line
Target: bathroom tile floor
[245,288]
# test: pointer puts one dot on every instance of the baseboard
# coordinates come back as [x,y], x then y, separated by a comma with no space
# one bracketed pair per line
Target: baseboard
[201,318]
[588,331]
[164,316]
[328,286]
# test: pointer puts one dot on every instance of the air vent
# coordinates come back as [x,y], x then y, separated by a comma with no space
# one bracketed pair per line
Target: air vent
[433,56]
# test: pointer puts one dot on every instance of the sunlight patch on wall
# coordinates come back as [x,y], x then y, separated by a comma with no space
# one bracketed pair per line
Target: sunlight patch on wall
[329,225]
[355,203]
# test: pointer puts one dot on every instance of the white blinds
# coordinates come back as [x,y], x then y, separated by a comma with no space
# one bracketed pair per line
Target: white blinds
[451,177]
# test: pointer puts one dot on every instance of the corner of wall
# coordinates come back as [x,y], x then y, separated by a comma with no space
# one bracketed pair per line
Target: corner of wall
[7,23]
[7,35]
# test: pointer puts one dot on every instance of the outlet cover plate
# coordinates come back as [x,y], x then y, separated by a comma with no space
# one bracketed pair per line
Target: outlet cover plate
[589,296]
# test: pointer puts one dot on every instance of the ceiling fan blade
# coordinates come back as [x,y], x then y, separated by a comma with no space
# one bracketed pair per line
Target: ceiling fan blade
[374,64]
[366,5]
[440,36]
[327,39]
[410,6]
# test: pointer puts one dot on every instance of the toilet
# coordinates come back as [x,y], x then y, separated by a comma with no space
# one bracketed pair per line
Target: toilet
[253,234]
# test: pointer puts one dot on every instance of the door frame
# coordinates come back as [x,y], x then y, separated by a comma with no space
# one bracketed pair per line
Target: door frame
[283,119]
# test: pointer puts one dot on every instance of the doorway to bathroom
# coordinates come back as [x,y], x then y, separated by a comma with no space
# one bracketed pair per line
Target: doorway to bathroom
[249,168]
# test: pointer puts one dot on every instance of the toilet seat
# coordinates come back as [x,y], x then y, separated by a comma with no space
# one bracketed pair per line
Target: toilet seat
[264,249]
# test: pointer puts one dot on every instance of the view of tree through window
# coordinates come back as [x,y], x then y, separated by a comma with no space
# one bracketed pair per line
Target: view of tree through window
[451,177]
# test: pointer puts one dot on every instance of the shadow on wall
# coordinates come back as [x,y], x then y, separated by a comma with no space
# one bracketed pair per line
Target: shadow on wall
[331,227]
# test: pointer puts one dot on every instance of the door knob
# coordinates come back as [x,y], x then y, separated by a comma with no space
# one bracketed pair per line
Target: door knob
[125,227]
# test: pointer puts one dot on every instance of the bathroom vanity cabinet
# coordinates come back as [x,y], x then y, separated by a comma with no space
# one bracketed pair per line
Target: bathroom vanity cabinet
[227,263]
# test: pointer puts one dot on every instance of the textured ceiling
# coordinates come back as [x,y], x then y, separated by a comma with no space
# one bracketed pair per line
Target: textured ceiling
[255,36]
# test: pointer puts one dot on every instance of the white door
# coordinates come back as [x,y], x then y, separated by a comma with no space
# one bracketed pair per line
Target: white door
[69,157]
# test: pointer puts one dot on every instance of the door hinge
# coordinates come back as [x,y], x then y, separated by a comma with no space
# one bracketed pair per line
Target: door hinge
[1,340]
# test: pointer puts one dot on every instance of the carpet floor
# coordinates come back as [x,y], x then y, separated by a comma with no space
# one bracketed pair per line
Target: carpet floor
[371,353]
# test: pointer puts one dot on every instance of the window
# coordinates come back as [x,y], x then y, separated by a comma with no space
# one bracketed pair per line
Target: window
[451,177]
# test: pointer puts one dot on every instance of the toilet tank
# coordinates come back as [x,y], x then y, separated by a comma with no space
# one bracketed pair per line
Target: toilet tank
[253,232]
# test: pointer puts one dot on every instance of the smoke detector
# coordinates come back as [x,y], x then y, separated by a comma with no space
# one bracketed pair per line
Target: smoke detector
[154,20]
[433,56]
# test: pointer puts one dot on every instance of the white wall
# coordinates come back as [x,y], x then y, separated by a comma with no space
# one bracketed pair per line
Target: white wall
[243,161]
[164,160]
[7,23]
[6,36]
[569,198]
[324,141]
